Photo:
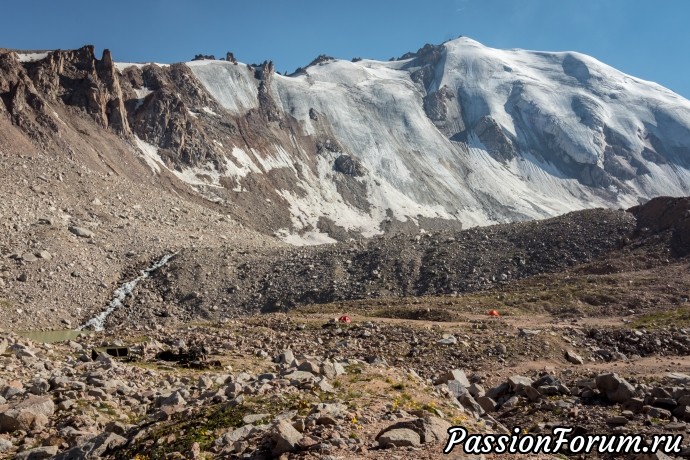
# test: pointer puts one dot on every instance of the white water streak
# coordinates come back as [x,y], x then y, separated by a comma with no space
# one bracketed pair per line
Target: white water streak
[97,323]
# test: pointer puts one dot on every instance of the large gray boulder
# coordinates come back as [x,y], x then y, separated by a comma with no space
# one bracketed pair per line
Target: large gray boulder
[617,389]
[39,453]
[30,413]
[430,429]
[94,448]
[285,437]
[456,374]
[573,357]
[399,437]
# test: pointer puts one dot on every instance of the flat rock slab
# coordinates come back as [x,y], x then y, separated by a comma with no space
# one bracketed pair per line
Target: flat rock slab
[399,437]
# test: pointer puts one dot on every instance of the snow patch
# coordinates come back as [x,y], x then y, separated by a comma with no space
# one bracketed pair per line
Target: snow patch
[31,57]
[207,175]
[304,239]
[233,86]
[209,111]
[150,155]
[124,65]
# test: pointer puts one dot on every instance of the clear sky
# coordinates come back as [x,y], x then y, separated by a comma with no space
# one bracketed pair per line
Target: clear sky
[648,39]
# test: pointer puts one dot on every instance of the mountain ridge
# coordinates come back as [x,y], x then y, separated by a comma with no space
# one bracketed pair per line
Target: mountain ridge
[454,134]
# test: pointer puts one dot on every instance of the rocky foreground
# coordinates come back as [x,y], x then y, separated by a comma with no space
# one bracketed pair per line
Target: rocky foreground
[304,386]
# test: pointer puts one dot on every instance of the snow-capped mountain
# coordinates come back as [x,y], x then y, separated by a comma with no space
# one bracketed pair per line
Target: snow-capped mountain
[452,133]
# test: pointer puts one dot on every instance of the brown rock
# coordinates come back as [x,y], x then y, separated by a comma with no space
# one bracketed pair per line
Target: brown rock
[27,414]
[38,453]
[285,437]
[399,437]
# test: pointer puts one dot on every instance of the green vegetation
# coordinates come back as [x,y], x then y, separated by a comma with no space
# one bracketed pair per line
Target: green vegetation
[208,424]
[679,317]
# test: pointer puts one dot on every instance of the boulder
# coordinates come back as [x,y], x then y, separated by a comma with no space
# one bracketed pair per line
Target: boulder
[30,413]
[457,375]
[517,382]
[430,429]
[433,429]
[532,393]
[496,392]
[313,367]
[616,388]
[174,399]
[285,437]
[457,389]
[286,357]
[29,257]
[38,453]
[300,376]
[488,404]
[81,232]
[449,340]
[476,390]
[332,369]
[469,403]
[399,437]
[233,389]
[5,445]
[94,448]
[573,357]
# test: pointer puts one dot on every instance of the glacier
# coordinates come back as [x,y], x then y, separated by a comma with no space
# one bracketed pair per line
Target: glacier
[461,132]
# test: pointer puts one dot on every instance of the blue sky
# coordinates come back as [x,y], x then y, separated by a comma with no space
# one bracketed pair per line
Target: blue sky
[650,40]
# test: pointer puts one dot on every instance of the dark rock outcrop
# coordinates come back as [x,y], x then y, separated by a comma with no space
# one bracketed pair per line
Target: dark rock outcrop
[497,142]
[435,104]
[664,214]
[348,165]
[267,106]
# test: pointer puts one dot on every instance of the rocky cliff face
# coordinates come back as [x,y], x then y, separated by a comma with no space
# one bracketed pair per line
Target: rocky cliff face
[454,134]
[76,78]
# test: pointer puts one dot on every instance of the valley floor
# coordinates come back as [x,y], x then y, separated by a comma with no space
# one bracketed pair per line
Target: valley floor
[304,385]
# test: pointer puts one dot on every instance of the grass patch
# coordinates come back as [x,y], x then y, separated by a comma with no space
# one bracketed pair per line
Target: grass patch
[354,368]
[679,317]
[179,434]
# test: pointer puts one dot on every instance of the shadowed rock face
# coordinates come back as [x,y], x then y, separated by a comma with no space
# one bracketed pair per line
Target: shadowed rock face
[666,214]
[348,165]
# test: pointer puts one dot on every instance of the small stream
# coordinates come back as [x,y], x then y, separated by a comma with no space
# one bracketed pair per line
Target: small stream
[97,323]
